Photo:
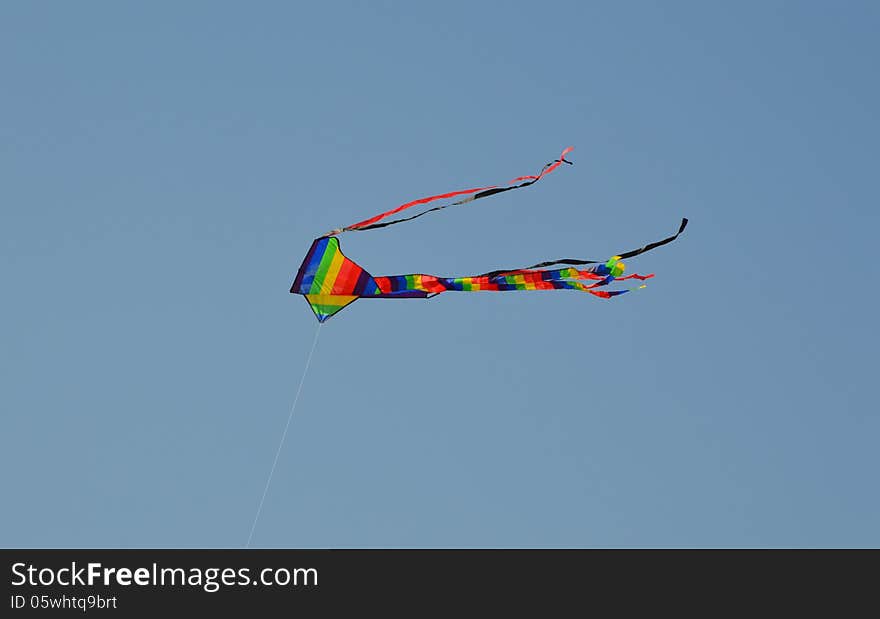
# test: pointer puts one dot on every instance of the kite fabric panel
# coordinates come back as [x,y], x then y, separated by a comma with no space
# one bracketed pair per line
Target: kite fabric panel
[330,281]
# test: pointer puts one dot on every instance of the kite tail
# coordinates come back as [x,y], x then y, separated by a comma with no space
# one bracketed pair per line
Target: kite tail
[470,195]
[612,265]
[607,294]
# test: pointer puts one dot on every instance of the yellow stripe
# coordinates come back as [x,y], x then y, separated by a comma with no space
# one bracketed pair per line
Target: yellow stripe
[330,302]
[332,273]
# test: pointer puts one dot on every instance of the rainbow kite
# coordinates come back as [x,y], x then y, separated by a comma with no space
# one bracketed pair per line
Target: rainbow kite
[330,281]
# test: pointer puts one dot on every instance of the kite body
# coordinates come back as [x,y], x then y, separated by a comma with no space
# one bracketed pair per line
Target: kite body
[330,281]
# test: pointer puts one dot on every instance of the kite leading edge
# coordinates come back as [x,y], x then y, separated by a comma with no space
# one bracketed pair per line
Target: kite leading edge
[330,281]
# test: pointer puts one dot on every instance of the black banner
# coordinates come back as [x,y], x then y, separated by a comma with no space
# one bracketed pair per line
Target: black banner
[129,583]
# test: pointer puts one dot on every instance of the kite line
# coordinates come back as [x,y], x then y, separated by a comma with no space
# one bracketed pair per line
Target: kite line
[283,435]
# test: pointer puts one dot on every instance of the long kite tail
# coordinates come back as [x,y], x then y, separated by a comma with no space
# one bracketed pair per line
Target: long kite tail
[470,195]
[574,262]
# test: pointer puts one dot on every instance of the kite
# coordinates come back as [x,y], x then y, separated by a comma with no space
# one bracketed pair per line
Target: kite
[330,281]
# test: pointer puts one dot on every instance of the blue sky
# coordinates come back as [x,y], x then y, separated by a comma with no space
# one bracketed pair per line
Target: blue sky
[165,166]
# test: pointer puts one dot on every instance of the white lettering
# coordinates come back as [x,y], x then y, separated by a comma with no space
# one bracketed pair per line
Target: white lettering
[15,572]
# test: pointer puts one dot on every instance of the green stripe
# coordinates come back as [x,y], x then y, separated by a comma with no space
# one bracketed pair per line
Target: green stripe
[328,309]
[323,267]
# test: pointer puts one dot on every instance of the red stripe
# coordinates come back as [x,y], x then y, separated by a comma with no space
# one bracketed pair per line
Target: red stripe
[599,293]
[430,284]
[371,220]
[347,278]
[548,170]
[636,276]
[383,284]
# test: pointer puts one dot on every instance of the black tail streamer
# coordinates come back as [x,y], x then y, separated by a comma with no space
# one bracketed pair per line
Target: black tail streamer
[482,194]
[574,262]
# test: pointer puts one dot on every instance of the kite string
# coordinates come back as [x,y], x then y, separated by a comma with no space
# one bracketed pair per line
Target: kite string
[283,435]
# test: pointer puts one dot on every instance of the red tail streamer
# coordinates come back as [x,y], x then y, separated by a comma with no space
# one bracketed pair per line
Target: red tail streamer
[473,194]
[402,207]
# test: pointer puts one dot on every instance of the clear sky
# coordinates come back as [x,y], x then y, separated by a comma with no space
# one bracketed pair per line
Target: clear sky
[164,167]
